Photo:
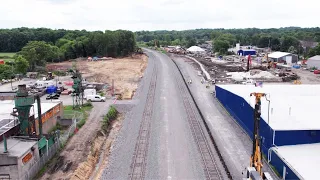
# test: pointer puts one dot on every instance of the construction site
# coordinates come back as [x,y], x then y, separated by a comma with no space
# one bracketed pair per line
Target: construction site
[277,86]
[41,113]
[251,125]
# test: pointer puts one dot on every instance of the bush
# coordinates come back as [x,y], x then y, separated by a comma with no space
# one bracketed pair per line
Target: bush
[87,104]
[59,73]
[81,123]
[110,116]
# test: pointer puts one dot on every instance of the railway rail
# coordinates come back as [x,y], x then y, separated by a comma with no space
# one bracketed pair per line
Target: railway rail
[138,165]
[211,169]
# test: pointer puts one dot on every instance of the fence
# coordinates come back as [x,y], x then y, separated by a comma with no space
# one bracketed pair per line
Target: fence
[32,171]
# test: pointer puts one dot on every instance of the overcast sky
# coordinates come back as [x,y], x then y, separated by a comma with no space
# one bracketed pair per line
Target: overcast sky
[158,14]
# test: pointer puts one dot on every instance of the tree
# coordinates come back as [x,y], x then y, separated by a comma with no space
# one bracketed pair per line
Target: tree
[37,53]
[220,46]
[21,65]
[292,50]
[288,41]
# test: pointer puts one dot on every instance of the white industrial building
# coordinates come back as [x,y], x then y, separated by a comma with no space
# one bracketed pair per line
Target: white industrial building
[283,57]
[289,126]
[314,62]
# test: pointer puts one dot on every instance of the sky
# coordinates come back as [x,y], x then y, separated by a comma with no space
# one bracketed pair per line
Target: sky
[138,15]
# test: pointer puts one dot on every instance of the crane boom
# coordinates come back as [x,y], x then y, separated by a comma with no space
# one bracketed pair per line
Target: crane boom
[256,165]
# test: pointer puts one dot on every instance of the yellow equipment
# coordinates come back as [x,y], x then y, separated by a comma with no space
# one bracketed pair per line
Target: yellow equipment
[297,82]
[255,170]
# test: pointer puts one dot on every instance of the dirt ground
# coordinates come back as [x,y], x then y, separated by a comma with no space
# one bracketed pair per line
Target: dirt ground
[125,72]
[307,77]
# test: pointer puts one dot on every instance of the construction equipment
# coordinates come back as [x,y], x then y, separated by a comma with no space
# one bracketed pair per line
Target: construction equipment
[254,171]
[77,94]
[297,82]
[50,76]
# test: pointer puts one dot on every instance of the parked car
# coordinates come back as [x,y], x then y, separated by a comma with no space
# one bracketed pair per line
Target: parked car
[53,96]
[66,92]
[316,71]
[96,98]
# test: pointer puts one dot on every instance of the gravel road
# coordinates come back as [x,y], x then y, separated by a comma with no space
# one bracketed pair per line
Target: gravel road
[172,151]
[234,144]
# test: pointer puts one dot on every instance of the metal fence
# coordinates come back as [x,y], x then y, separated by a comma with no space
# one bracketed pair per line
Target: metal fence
[32,171]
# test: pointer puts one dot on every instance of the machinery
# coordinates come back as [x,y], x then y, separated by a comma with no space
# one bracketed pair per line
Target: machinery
[254,171]
[77,94]
[27,124]
[49,76]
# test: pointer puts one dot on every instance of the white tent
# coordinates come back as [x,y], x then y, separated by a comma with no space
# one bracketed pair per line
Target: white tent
[195,49]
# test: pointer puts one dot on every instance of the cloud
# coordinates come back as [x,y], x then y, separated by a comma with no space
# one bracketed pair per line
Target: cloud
[157,14]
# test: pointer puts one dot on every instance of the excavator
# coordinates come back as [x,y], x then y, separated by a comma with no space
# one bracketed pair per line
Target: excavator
[254,171]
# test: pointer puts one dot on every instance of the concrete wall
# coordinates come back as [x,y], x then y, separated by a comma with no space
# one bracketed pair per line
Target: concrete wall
[11,170]
[23,169]
[49,120]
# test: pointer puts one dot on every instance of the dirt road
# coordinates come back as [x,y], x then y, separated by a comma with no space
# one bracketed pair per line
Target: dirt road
[307,77]
[78,147]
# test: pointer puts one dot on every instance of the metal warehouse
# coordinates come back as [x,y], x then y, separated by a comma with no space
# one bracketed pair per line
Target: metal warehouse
[287,121]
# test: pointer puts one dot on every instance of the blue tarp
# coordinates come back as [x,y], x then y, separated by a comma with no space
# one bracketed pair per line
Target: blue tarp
[51,89]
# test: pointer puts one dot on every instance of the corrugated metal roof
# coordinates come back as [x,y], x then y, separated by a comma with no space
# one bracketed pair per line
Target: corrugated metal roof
[303,158]
[317,58]
[278,54]
[292,107]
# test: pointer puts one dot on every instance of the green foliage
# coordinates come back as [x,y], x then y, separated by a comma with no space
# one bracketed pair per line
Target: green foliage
[276,39]
[110,116]
[41,45]
[38,52]
[6,71]
[81,123]
[6,55]
[87,104]
[220,46]
[21,65]
[101,93]
[54,128]
[59,73]
[292,50]
[314,51]
[85,109]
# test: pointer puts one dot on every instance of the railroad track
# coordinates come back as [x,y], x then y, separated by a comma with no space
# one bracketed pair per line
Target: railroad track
[211,169]
[138,165]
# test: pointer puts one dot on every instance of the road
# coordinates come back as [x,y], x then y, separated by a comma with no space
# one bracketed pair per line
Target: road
[162,136]
[234,144]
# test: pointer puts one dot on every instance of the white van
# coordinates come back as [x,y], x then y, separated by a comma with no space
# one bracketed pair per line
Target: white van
[96,98]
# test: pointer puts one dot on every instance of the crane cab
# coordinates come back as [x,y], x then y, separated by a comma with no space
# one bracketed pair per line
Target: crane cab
[252,174]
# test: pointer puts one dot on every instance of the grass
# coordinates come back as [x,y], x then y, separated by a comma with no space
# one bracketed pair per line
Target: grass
[85,109]
[7,54]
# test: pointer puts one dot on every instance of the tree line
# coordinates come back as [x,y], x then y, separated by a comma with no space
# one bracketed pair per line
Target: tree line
[281,39]
[42,45]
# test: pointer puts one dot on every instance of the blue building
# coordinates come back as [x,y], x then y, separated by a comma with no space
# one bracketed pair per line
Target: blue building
[246,52]
[288,121]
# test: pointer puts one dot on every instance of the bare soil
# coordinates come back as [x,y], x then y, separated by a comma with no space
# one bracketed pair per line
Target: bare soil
[125,72]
